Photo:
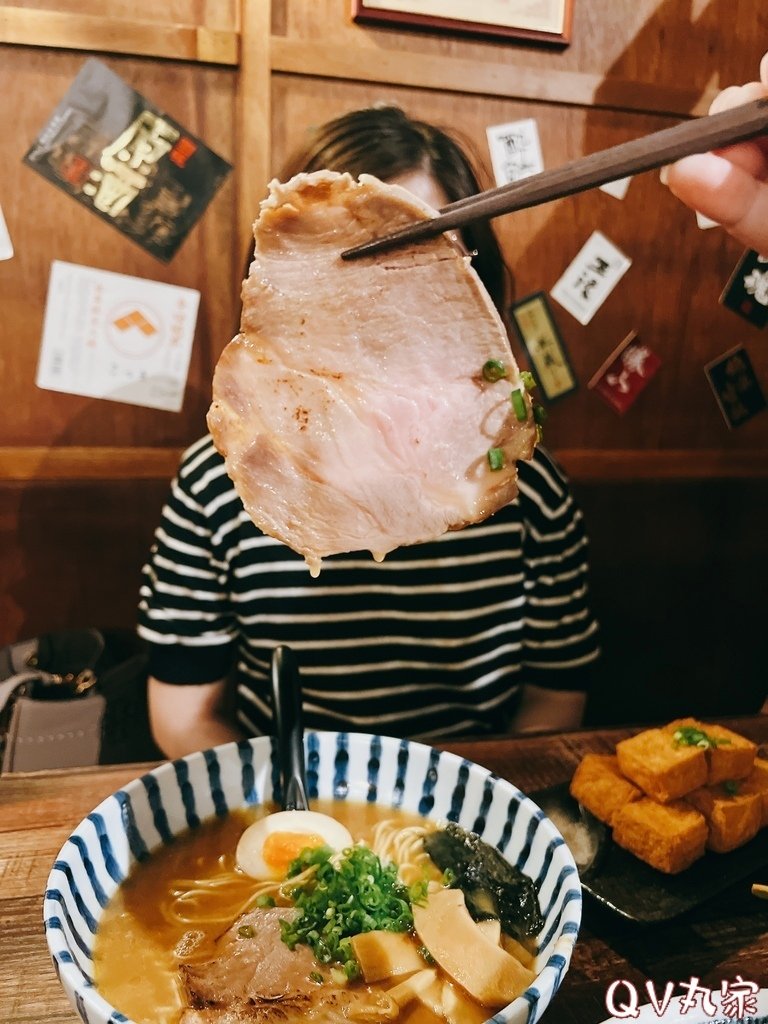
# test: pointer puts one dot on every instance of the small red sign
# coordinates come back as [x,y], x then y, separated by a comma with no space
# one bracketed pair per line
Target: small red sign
[625,373]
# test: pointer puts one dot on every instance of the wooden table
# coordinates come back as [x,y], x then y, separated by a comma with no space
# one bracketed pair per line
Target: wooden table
[726,937]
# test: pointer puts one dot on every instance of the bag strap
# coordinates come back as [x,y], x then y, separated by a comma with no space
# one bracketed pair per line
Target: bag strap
[65,658]
[15,657]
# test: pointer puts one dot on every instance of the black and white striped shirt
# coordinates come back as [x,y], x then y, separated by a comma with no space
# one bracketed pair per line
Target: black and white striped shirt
[435,640]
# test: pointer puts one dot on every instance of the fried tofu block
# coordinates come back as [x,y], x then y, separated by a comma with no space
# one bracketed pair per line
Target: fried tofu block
[757,782]
[732,818]
[731,756]
[599,786]
[662,769]
[669,837]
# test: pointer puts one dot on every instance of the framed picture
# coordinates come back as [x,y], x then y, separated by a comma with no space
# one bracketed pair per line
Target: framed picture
[544,346]
[535,21]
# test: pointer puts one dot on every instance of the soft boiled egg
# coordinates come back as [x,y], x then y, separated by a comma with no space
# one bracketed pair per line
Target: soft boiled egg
[268,846]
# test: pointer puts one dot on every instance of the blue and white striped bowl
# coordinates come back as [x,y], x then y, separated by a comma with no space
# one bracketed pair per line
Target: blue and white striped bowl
[147,813]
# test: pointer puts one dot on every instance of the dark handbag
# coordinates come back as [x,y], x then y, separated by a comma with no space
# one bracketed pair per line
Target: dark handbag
[72,698]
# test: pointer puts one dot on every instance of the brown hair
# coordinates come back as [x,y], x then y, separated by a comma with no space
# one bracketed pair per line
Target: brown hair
[385,142]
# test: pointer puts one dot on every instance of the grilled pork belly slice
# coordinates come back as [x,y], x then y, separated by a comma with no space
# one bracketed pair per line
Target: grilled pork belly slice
[351,409]
[251,962]
[255,977]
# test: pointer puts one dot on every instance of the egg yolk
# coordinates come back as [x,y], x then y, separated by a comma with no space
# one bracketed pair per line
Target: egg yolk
[280,848]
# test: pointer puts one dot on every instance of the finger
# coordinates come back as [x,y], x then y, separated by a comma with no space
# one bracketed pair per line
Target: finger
[726,194]
[751,157]
[737,95]
[764,69]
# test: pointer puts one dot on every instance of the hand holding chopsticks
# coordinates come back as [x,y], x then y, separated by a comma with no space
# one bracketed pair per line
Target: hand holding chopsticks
[644,154]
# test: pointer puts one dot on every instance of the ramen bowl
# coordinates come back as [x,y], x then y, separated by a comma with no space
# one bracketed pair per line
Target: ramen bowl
[149,812]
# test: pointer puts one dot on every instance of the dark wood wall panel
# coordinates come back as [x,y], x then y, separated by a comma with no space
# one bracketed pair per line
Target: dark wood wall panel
[680,584]
[71,553]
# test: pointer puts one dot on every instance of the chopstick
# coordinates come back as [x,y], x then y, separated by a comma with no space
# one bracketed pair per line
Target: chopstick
[644,154]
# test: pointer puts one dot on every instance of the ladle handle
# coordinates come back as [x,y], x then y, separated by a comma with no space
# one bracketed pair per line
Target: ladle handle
[286,708]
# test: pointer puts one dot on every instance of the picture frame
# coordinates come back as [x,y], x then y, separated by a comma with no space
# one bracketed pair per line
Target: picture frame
[541,21]
[540,336]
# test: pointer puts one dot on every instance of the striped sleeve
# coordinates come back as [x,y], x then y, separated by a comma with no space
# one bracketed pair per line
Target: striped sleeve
[184,605]
[560,633]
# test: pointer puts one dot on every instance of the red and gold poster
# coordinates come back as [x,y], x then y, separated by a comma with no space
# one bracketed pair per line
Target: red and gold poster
[126,161]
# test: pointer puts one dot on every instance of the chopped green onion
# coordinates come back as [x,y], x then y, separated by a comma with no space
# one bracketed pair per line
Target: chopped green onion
[494,370]
[731,787]
[265,901]
[355,894]
[246,931]
[418,893]
[539,414]
[518,404]
[496,458]
[424,952]
[528,380]
[316,976]
[690,736]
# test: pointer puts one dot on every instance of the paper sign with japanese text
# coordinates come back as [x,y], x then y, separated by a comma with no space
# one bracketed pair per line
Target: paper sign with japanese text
[126,161]
[515,150]
[112,336]
[746,293]
[625,373]
[735,386]
[591,277]
[546,352]
[6,246]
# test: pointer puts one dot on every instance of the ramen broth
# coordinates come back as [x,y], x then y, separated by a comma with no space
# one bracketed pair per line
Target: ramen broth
[135,958]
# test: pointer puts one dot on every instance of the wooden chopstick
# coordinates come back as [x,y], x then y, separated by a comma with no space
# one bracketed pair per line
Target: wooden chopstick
[644,154]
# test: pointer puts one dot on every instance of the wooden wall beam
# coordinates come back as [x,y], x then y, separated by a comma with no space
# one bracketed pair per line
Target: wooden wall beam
[81,463]
[65,30]
[666,464]
[254,114]
[326,59]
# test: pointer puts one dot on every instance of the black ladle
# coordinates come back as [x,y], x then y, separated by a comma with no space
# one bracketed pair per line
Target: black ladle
[288,728]
[295,816]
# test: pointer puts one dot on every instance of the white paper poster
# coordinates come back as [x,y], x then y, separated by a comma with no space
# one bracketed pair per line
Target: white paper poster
[618,189]
[515,150]
[6,247]
[591,277]
[111,336]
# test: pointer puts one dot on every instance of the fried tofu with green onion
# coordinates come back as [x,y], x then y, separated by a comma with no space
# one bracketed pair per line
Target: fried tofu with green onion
[669,837]
[733,816]
[757,782]
[729,755]
[599,786]
[663,769]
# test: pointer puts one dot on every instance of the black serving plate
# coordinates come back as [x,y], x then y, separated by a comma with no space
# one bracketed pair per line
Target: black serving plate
[632,888]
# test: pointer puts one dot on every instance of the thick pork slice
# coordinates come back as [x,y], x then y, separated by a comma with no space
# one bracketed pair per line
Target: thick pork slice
[352,409]
[255,978]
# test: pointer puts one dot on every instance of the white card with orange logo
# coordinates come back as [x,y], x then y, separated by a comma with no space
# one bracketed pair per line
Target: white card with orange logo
[125,339]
